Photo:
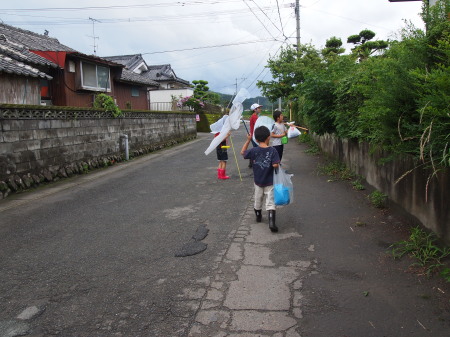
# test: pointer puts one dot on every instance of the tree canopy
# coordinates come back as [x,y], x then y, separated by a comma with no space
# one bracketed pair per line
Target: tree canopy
[393,94]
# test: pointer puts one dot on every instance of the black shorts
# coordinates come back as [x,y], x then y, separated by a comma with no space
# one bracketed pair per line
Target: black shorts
[279,149]
[222,154]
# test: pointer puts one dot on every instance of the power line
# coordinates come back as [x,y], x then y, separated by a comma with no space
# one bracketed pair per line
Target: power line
[210,15]
[267,16]
[279,16]
[256,78]
[205,47]
[177,4]
[258,18]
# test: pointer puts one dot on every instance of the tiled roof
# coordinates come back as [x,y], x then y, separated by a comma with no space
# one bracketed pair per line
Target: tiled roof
[18,60]
[129,61]
[11,66]
[20,53]
[129,76]
[163,72]
[38,42]
[95,58]
[32,41]
[156,73]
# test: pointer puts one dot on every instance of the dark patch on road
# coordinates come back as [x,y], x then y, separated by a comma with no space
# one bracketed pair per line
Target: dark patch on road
[191,248]
[194,246]
[200,233]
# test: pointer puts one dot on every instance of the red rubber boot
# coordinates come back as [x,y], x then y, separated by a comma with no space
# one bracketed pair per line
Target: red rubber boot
[222,174]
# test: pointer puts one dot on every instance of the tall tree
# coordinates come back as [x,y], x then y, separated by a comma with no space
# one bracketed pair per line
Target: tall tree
[364,46]
[333,46]
[200,89]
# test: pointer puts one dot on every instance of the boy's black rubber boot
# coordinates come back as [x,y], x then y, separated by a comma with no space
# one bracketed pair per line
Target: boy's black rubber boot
[258,213]
[272,225]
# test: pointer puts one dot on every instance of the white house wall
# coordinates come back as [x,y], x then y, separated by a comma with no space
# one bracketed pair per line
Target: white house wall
[165,95]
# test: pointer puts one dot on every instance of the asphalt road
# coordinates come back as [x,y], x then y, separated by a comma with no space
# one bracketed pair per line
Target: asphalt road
[94,255]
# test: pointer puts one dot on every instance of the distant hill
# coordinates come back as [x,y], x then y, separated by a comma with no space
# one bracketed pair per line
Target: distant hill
[267,105]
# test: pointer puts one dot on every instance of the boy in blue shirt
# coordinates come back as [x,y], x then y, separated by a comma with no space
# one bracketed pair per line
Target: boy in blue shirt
[264,160]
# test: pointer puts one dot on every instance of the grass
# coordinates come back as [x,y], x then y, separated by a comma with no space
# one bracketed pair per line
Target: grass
[378,199]
[337,170]
[357,184]
[313,148]
[423,248]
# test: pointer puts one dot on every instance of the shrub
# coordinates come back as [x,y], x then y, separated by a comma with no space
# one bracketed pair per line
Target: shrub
[378,199]
[103,101]
[191,102]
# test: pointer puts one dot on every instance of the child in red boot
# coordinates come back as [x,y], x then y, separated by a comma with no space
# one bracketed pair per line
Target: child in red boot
[222,157]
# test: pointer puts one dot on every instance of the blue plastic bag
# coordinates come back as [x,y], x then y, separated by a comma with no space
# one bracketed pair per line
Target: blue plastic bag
[283,189]
[281,195]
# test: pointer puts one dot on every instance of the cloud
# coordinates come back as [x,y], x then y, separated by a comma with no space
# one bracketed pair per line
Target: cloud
[143,27]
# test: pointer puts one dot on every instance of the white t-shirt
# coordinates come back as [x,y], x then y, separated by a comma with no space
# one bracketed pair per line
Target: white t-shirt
[278,129]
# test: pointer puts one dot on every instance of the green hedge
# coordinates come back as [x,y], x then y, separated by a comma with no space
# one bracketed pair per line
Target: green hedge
[206,119]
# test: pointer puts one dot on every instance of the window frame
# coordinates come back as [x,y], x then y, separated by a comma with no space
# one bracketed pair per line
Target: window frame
[97,88]
[135,92]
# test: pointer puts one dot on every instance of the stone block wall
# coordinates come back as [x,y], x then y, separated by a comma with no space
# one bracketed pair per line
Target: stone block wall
[46,142]
[427,200]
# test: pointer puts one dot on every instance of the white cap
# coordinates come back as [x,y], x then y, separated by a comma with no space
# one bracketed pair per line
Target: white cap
[255,106]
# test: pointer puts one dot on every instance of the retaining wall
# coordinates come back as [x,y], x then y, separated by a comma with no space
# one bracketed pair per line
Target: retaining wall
[35,141]
[427,200]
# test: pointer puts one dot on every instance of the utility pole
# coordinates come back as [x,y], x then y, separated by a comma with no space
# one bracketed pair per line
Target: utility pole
[93,34]
[297,16]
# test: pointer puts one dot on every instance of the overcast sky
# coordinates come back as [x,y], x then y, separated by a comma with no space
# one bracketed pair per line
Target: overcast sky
[221,41]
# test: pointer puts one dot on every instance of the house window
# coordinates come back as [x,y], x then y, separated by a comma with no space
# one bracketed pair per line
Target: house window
[134,91]
[95,77]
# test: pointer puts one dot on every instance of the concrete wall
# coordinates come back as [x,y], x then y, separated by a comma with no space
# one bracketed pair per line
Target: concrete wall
[35,140]
[427,200]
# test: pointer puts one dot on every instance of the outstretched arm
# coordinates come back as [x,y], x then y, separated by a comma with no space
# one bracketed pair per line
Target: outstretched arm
[246,144]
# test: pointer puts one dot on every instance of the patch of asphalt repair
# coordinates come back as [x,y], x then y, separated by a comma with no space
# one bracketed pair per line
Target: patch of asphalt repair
[194,246]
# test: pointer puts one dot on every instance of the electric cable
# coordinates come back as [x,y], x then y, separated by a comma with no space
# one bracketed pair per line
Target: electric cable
[205,47]
[279,16]
[121,7]
[258,18]
[266,16]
